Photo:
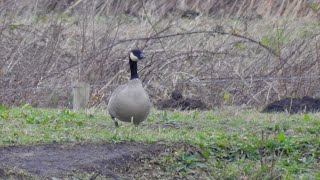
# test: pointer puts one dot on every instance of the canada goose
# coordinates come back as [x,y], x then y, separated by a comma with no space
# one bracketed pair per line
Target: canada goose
[130,102]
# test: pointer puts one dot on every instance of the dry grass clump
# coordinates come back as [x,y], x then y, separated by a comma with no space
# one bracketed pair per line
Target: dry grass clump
[222,61]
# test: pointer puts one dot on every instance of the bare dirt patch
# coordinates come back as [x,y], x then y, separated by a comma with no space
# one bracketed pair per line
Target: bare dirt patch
[178,102]
[294,105]
[60,160]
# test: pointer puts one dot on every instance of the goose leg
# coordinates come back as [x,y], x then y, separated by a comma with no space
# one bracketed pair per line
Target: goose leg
[115,121]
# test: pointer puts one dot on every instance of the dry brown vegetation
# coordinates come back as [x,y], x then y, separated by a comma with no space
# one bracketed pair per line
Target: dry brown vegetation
[235,52]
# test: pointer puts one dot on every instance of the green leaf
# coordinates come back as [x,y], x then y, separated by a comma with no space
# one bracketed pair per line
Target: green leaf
[30,120]
[68,113]
[90,115]
[45,120]
[239,45]
[306,117]
[281,137]
[78,122]
[226,96]
[3,107]
[4,115]
[22,104]
[265,40]
[201,135]
[205,152]
[188,159]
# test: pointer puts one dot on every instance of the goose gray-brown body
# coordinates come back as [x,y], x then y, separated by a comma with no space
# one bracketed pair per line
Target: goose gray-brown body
[130,102]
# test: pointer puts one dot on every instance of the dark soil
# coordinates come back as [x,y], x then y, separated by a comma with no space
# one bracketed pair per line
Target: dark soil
[178,102]
[60,160]
[294,105]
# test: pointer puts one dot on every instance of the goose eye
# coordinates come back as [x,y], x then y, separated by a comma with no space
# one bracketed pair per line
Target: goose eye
[142,56]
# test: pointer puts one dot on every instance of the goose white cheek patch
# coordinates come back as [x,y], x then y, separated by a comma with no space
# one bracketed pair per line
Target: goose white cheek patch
[133,57]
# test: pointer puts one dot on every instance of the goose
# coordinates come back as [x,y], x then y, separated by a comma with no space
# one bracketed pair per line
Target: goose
[130,102]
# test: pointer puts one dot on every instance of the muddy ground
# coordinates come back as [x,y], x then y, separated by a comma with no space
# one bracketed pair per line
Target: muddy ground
[294,105]
[113,160]
[177,101]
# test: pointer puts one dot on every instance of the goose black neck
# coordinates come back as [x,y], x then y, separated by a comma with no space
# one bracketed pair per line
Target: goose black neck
[133,69]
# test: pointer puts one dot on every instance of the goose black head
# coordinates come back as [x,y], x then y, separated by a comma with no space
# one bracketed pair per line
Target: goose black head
[136,55]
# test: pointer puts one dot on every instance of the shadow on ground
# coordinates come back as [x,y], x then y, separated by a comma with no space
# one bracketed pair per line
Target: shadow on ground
[112,160]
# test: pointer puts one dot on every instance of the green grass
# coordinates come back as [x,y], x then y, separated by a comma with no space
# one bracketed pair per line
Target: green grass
[230,143]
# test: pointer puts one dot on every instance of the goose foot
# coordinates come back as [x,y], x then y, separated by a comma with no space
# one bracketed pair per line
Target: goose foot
[115,121]
[116,124]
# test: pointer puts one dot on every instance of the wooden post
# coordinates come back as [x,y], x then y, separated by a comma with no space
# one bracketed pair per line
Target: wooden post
[81,93]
